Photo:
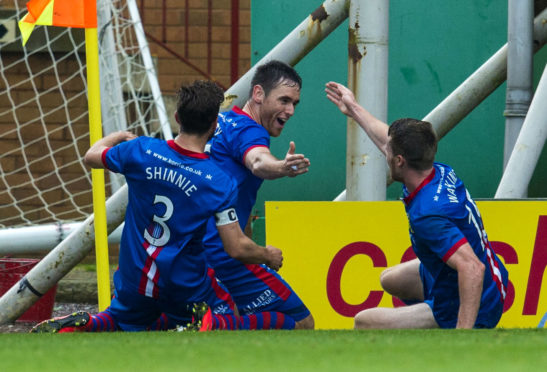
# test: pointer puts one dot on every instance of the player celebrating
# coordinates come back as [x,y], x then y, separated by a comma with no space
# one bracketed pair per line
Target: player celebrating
[457,279]
[173,191]
[241,148]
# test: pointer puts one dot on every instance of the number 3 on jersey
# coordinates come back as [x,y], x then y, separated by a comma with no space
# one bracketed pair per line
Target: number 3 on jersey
[158,232]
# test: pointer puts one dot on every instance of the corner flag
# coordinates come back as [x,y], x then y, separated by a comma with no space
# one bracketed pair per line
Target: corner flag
[63,13]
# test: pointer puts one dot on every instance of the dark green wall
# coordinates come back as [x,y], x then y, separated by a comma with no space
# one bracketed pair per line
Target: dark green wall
[433,47]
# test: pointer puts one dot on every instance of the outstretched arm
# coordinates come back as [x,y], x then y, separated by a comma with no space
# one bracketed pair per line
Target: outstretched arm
[344,99]
[240,247]
[263,164]
[93,156]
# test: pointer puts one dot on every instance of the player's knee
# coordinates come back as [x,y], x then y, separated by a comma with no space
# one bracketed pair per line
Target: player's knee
[306,323]
[366,319]
[387,280]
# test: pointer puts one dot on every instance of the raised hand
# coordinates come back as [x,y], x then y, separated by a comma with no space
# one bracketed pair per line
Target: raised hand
[295,164]
[341,96]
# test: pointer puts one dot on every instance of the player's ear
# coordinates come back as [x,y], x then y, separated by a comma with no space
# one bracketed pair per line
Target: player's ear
[400,161]
[258,94]
[177,117]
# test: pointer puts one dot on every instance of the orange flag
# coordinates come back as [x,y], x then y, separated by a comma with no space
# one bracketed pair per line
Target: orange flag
[63,13]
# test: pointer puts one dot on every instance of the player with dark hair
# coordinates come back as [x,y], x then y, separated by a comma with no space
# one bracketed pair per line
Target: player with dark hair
[173,190]
[268,76]
[456,281]
[240,147]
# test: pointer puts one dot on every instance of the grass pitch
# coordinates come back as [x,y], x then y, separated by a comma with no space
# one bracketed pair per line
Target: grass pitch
[261,351]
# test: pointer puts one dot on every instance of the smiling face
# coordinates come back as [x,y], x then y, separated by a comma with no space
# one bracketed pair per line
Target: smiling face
[278,106]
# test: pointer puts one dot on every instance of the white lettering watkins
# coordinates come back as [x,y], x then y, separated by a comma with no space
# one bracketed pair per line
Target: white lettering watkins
[450,184]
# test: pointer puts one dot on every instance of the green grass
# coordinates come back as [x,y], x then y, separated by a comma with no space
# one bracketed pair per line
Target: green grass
[406,350]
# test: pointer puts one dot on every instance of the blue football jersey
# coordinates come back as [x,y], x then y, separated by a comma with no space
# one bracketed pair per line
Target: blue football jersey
[442,217]
[236,134]
[172,194]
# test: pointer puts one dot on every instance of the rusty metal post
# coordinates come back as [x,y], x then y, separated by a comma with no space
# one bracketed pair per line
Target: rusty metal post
[295,46]
[367,78]
[520,70]
[470,93]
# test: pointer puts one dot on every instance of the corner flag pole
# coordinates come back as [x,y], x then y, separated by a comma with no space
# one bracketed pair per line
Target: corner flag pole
[97,175]
[82,14]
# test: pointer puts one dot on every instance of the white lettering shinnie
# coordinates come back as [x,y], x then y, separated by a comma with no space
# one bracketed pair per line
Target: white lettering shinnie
[171,176]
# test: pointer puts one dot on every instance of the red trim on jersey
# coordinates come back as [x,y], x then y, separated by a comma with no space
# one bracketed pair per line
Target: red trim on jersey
[249,149]
[156,290]
[454,248]
[271,281]
[428,179]
[239,111]
[103,157]
[142,284]
[219,291]
[185,152]
[498,280]
[146,269]
[144,277]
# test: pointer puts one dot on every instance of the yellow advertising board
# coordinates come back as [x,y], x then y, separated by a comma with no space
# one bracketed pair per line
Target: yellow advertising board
[334,253]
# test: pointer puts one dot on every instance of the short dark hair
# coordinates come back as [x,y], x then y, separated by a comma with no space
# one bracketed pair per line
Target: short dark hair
[415,140]
[271,74]
[198,105]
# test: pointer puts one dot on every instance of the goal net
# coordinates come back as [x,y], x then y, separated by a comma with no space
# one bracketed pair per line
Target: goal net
[44,128]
